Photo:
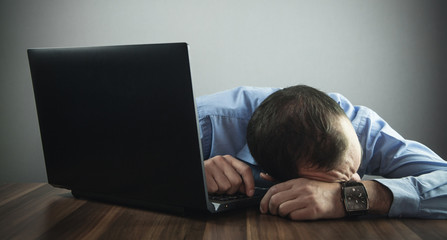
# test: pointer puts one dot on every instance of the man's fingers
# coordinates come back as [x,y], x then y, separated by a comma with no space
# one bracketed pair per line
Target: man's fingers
[264,206]
[245,172]
[290,205]
[226,174]
[281,203]
[211,184]
[267,177]
[356,177]
[215,175]
[232,176]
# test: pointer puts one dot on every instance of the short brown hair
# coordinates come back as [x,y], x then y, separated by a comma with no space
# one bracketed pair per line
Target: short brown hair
[296,125]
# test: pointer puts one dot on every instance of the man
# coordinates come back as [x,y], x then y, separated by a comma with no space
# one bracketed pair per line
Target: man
[314,148]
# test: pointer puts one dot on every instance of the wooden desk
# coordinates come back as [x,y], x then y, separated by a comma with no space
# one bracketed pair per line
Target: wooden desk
[40,211]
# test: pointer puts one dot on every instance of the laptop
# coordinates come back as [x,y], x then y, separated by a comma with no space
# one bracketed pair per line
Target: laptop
[119,124]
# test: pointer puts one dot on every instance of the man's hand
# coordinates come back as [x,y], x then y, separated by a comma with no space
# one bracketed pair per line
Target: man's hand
[226,174]
[304,199]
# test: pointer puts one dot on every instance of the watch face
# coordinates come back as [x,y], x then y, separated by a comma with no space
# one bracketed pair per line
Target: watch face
[355,198]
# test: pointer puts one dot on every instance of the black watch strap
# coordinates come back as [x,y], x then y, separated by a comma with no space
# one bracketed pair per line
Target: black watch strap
[354,198]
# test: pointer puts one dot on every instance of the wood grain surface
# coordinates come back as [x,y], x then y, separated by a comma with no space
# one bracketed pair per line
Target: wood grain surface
[40,211]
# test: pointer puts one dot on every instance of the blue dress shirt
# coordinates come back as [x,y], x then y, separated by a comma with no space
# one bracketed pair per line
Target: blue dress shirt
[416,176]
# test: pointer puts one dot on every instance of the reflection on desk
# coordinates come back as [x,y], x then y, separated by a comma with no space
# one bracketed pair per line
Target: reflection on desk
[38,210]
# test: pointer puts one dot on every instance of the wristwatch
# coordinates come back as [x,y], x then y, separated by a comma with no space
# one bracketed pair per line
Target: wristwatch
[354,198]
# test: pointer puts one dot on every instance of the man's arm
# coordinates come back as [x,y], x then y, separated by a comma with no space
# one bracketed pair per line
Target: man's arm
[423,196]
[379,197]
[417,184]
[306,199]
[415,175]
[223,119]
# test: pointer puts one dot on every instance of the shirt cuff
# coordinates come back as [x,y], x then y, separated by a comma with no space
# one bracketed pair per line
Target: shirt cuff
[406,199]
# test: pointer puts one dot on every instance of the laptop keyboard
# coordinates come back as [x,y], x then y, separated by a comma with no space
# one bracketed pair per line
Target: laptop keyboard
[259,193]
[226,197]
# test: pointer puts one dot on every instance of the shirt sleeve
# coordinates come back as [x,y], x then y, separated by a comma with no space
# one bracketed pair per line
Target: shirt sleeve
[416,175]
[223,119]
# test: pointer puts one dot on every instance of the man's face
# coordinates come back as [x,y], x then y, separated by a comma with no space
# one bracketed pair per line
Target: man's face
[347,169]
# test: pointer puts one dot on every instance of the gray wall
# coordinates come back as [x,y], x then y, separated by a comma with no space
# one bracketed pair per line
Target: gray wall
[388,55]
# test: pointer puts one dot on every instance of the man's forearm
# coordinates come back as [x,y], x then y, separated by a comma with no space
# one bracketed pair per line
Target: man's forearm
[380,197]
[422,196]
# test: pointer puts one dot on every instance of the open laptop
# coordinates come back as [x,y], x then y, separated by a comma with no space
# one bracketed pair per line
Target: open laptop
[118,124]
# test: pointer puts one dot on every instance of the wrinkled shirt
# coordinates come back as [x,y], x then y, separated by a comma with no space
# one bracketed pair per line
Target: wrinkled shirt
[416,176]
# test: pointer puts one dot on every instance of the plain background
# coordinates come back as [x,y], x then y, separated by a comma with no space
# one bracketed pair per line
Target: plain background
[388,55]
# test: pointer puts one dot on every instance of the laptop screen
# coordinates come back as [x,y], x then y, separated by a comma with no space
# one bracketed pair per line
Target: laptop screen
[120,122]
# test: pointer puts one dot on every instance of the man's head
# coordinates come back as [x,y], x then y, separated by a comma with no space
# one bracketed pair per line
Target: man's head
[301,132]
